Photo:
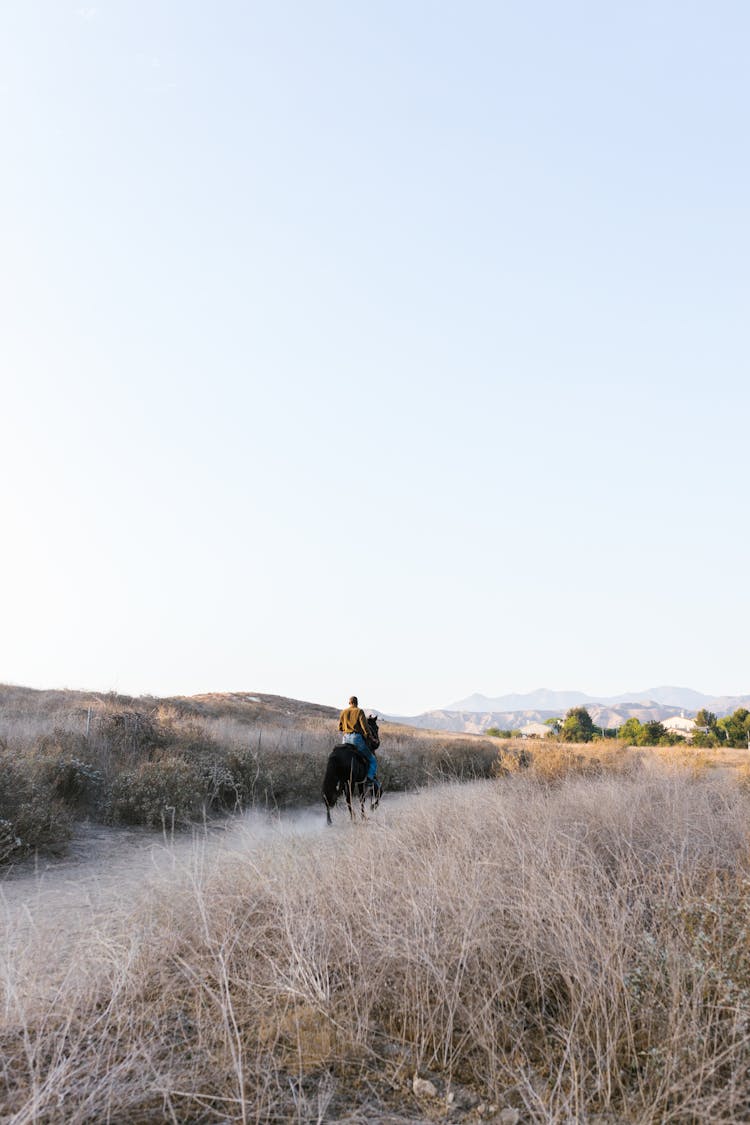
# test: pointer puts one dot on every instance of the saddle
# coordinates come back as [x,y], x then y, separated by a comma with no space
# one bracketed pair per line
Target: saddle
[359,752]
[377,788]
[360,756]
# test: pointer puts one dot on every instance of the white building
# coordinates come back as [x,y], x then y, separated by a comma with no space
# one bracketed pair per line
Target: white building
[535,730]
[680,725]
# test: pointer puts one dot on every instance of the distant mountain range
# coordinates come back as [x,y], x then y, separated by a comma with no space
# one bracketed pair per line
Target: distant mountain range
[508,712]
[543,699]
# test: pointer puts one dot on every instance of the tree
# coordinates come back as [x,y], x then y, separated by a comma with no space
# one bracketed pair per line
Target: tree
[601,733]
[631,731]
[578,726]
[726,730]
[644,734]
[735,729]
[652,733]
[705,721]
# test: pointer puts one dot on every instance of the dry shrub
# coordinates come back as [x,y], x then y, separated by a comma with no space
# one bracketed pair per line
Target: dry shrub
[165,791]
[552,762]
[31,816]
[36,823]
[404,765]
[557,762]
[299,1036]
[287,778]
[743,776]
[691,759]
[129,734]
[511,758]
[65,766]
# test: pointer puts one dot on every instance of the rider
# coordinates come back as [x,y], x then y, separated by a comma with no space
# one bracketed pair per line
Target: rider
[353,723]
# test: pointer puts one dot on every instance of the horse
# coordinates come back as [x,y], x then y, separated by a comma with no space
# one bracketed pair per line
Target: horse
[346,773]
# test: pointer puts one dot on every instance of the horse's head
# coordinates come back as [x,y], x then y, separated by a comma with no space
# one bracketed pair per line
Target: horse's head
[372,722]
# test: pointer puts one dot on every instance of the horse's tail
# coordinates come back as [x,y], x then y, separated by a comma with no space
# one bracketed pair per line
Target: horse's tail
[331,783]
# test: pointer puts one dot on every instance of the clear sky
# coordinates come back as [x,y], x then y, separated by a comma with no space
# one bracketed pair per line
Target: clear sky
[396,348]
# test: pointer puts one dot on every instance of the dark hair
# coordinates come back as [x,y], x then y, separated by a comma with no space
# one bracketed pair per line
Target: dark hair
[353,701]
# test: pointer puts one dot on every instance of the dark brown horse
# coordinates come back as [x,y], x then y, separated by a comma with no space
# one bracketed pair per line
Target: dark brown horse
[346,773]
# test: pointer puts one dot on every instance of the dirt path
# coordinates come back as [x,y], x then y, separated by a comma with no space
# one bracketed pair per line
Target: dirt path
[54,908]
[58,914]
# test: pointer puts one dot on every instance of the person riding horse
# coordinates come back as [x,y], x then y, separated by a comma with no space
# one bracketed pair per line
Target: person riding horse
[356,732]
[347,769]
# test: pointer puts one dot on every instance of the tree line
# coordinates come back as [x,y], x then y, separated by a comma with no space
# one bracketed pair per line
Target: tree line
[578,726]
[729,730]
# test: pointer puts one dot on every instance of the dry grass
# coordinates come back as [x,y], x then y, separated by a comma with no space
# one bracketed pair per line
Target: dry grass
[579,951]
[553,762]
[696,761]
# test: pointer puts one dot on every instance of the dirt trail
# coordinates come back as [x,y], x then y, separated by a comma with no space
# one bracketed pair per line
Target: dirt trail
[52,910]
[58,915]
[103,865]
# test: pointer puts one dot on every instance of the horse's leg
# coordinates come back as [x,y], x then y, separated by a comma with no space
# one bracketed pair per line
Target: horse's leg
[349,799]
[361,793]
[331,785]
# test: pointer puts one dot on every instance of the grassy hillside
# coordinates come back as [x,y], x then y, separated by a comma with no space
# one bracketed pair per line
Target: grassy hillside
[549,949]
[68,755]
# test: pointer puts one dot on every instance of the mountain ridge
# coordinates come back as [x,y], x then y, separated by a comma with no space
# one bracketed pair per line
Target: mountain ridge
[682,698]
[477,722]
[477,712]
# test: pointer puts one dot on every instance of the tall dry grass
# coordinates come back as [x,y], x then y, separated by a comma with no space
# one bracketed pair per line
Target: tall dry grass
[578,951]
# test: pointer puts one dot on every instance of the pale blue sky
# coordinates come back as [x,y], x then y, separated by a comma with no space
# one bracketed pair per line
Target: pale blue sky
[390,348]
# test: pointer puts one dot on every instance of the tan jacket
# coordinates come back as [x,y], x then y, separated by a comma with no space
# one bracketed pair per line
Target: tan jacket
[354,721]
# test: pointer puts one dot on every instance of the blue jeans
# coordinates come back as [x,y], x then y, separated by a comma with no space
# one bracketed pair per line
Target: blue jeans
[357,740]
